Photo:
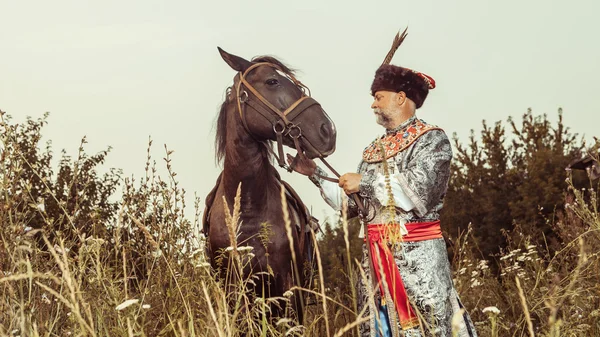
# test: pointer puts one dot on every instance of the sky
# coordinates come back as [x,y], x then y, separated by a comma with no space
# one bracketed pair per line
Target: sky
[119,72]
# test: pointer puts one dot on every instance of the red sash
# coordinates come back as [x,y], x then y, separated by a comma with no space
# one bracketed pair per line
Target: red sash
[383,262]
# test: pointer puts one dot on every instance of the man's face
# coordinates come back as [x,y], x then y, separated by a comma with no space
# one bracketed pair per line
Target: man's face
[385,108]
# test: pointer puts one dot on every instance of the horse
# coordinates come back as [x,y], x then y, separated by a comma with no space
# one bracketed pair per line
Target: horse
[265,104]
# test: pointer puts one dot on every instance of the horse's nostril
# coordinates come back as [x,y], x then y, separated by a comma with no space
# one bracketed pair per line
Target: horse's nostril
[325,130]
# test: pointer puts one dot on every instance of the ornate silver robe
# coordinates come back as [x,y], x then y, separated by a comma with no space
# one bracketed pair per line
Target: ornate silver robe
[420,174]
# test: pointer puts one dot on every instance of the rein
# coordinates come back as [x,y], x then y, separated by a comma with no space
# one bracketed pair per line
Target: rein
[283,122]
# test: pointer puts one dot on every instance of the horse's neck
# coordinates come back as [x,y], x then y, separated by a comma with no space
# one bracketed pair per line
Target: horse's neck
[247,163]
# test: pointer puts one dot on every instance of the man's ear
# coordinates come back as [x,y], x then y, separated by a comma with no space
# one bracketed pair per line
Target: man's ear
[400,97]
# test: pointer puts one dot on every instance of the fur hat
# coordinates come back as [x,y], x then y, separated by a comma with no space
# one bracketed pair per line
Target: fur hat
[414,84]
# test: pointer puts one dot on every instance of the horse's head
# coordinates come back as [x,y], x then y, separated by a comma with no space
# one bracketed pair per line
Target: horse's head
[273,105]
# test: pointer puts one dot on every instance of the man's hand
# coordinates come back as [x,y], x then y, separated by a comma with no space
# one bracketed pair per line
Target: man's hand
[303,165]
[349,182]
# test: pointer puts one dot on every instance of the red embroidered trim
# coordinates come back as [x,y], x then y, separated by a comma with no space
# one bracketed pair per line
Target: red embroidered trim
[398,142]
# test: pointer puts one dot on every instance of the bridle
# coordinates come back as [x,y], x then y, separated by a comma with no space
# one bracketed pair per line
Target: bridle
[282,122]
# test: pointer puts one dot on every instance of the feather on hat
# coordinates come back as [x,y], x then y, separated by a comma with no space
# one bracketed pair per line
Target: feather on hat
[388,77]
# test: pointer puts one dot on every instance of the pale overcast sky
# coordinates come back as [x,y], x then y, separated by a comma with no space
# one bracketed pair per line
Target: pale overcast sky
[121,71]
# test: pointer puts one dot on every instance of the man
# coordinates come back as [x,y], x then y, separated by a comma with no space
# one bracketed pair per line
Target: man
[409,289]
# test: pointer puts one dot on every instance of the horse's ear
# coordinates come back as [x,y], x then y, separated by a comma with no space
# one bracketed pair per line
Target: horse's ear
[235,62]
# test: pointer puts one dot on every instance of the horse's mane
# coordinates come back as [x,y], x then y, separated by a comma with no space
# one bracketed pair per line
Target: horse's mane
[221,134]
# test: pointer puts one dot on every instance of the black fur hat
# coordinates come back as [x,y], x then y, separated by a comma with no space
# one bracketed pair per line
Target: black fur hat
[414,84]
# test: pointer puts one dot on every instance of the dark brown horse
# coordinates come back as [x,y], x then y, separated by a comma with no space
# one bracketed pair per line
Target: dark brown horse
[266,103]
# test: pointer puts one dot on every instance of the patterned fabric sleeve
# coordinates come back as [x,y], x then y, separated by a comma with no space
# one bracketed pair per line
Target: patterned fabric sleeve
[332,194]
[367,184]
[425,177]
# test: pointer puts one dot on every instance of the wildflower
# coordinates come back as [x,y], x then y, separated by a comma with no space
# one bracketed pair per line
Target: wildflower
[288,293]
[492,309]
[283,321]
[41,207]
[126,304]
[45,299]
[157,253]
[245,248]
[27,229]
[462,271]
[482,265]
[475,283]
[59,250]
[146,306]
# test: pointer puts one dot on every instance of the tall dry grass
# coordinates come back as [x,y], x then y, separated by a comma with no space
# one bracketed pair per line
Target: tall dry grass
[137,267]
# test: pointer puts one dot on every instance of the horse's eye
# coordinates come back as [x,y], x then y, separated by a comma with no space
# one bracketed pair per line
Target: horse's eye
[272,81]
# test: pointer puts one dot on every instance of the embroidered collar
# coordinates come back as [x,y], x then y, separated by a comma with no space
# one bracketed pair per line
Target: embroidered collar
[396,140]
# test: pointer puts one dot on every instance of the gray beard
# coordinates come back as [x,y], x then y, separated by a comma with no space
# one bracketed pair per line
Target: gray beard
[382,120]
[383,117]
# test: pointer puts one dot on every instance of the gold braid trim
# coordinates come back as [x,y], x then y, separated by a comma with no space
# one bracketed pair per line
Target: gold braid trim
[393,235]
